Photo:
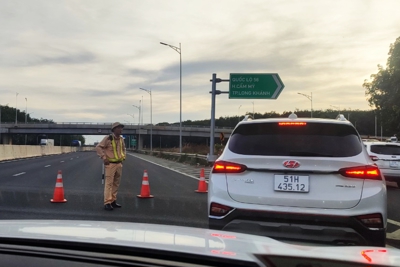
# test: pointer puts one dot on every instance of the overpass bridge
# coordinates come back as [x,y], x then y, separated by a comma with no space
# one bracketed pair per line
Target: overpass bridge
[88,128]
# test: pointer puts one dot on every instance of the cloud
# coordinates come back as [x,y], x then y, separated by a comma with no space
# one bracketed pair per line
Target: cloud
[87,60]
[81,58]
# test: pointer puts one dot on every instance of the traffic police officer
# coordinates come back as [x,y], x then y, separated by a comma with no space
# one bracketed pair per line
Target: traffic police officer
[112,151]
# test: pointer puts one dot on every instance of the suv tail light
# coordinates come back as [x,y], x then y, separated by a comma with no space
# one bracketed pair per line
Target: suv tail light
[292,123]
[362,172]
[228,167]
[219,209]
[371,220]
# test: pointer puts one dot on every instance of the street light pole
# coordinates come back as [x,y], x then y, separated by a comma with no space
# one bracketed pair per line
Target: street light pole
[129,137]
[26,108]
[133,117]
[141,111]
[16,102]
[1,141]
[239,113]
[0,124]
[337,107]
[133,122]
[26,114]
[310,98]
[151,118]
[138,125]
[179,51]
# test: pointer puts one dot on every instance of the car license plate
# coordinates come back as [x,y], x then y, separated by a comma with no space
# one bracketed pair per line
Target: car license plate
[394,164]
[291,183]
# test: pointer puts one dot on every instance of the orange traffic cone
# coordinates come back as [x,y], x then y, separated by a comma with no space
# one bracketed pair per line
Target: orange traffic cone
[58,190]
[202,183]
[145,192]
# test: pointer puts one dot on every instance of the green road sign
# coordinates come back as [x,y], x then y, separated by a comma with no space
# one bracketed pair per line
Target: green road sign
[255,86]
[133,142]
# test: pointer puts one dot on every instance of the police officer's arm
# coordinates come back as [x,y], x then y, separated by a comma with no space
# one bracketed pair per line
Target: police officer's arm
[100,150]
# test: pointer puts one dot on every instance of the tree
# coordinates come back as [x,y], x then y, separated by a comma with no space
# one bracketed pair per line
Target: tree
[8,116]
[383,91]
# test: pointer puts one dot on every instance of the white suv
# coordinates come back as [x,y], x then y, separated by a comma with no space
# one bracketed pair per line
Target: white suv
[299,179]
[387,157]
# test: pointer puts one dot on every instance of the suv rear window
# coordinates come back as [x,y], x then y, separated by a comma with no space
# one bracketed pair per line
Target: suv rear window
[310,140]
[385,149]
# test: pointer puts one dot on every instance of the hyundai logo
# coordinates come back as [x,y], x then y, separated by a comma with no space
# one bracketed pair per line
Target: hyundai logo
[291,164]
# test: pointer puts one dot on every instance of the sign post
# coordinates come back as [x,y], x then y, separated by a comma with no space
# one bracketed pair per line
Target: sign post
[133,142]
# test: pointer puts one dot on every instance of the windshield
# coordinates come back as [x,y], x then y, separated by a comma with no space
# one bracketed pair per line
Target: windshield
[131,112]
[385,149]
[313,139]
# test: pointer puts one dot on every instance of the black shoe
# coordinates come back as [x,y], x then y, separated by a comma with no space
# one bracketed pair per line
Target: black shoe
[115,205]
[108,207]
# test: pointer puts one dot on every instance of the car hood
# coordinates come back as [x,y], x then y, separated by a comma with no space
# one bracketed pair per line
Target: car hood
[195,241]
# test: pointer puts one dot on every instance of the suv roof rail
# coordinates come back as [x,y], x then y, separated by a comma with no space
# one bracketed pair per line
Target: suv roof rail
[247,118]
[292,116]
[341,117]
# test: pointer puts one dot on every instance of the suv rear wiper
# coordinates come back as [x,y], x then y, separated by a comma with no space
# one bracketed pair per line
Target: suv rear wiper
[308,154]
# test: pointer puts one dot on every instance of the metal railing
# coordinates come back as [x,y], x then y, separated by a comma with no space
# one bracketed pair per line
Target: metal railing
[200,156]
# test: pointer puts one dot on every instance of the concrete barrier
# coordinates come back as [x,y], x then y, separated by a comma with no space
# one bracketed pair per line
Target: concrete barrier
[8,152]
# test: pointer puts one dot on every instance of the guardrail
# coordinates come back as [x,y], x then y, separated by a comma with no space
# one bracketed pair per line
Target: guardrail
[10,152]
[182,157]
[184,154]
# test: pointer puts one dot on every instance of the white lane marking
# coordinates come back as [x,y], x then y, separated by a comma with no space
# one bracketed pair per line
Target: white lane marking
[191,176]
[47,166]
[72,158]
[61,161]
[393,222]
[18,174]
[394,235]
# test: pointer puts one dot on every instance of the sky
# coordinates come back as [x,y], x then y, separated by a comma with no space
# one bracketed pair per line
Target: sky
[84,61]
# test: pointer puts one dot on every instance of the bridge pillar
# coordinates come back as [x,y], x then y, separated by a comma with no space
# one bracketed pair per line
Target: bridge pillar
[6,139]
[140,144]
